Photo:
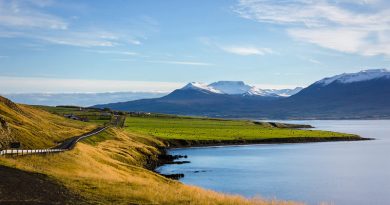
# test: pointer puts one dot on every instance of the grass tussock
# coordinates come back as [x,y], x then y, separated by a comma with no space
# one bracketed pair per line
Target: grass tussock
[108,169]
[35,128]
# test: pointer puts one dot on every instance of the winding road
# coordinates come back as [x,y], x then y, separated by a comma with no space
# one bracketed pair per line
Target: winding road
[68,144]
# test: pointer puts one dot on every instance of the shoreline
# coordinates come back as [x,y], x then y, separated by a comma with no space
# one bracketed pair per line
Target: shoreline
[178,144]
[271,143]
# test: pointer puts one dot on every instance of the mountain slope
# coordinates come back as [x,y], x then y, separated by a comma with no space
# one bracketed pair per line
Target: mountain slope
[33,127]
[368,98]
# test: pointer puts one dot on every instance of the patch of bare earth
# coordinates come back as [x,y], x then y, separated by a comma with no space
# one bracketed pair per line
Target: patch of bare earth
[21,187]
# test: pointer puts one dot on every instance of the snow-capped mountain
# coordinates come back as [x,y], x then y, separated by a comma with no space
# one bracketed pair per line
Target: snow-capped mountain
[362,95]
[239,88]
[364,75]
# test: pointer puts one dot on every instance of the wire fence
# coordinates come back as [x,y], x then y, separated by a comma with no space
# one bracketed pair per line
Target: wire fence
[21,152]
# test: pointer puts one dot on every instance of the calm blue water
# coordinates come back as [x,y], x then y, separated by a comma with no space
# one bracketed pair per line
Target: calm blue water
[333,172]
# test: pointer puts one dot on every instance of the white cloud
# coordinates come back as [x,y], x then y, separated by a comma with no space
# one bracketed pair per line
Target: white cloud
[186,63]
[127,53]
[348,41]
[134,42]
[77,41]
[314,61]
[246,50]
[34,84]
[30,19]
[123,60]
[192,63]
[69,38]
[311,60]
[360,27]
[14,14]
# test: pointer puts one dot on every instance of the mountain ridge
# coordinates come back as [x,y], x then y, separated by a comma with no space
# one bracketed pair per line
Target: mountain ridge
[363,75]
[239,88]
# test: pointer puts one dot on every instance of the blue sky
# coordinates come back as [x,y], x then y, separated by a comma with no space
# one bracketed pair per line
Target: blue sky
[149,45]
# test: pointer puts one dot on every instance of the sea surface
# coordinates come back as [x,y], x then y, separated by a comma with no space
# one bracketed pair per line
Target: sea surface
[333,172]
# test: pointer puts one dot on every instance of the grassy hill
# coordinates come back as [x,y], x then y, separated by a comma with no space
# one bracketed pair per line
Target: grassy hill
[35,128]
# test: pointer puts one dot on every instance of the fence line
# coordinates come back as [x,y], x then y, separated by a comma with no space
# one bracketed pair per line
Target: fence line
[21,152]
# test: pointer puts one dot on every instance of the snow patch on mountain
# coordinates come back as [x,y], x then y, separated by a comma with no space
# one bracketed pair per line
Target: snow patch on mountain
[261,92]
[273,92]
[286,92]
[200,86]
[364,75]
[230,87]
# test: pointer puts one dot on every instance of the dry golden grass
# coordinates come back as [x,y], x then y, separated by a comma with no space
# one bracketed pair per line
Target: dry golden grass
[36,128]
[111,172]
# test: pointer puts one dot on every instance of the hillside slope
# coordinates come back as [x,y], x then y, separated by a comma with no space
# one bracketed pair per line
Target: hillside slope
[109,169]
[35,128]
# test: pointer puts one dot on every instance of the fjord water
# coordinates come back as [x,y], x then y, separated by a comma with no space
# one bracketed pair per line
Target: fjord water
[334,172]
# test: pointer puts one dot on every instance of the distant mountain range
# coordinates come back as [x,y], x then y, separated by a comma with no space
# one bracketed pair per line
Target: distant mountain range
[90,99]
[362,95]
[79,99]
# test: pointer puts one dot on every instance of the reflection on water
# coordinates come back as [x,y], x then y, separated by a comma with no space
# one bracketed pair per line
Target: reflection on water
[336,172]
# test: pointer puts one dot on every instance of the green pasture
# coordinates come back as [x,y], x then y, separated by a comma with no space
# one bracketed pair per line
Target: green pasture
[214,129]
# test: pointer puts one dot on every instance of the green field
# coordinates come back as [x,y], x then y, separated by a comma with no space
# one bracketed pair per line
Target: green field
[93,115]
[173,128]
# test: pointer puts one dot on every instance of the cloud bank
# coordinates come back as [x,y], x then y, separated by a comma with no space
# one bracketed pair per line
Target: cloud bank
[39,85]
[358,27]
